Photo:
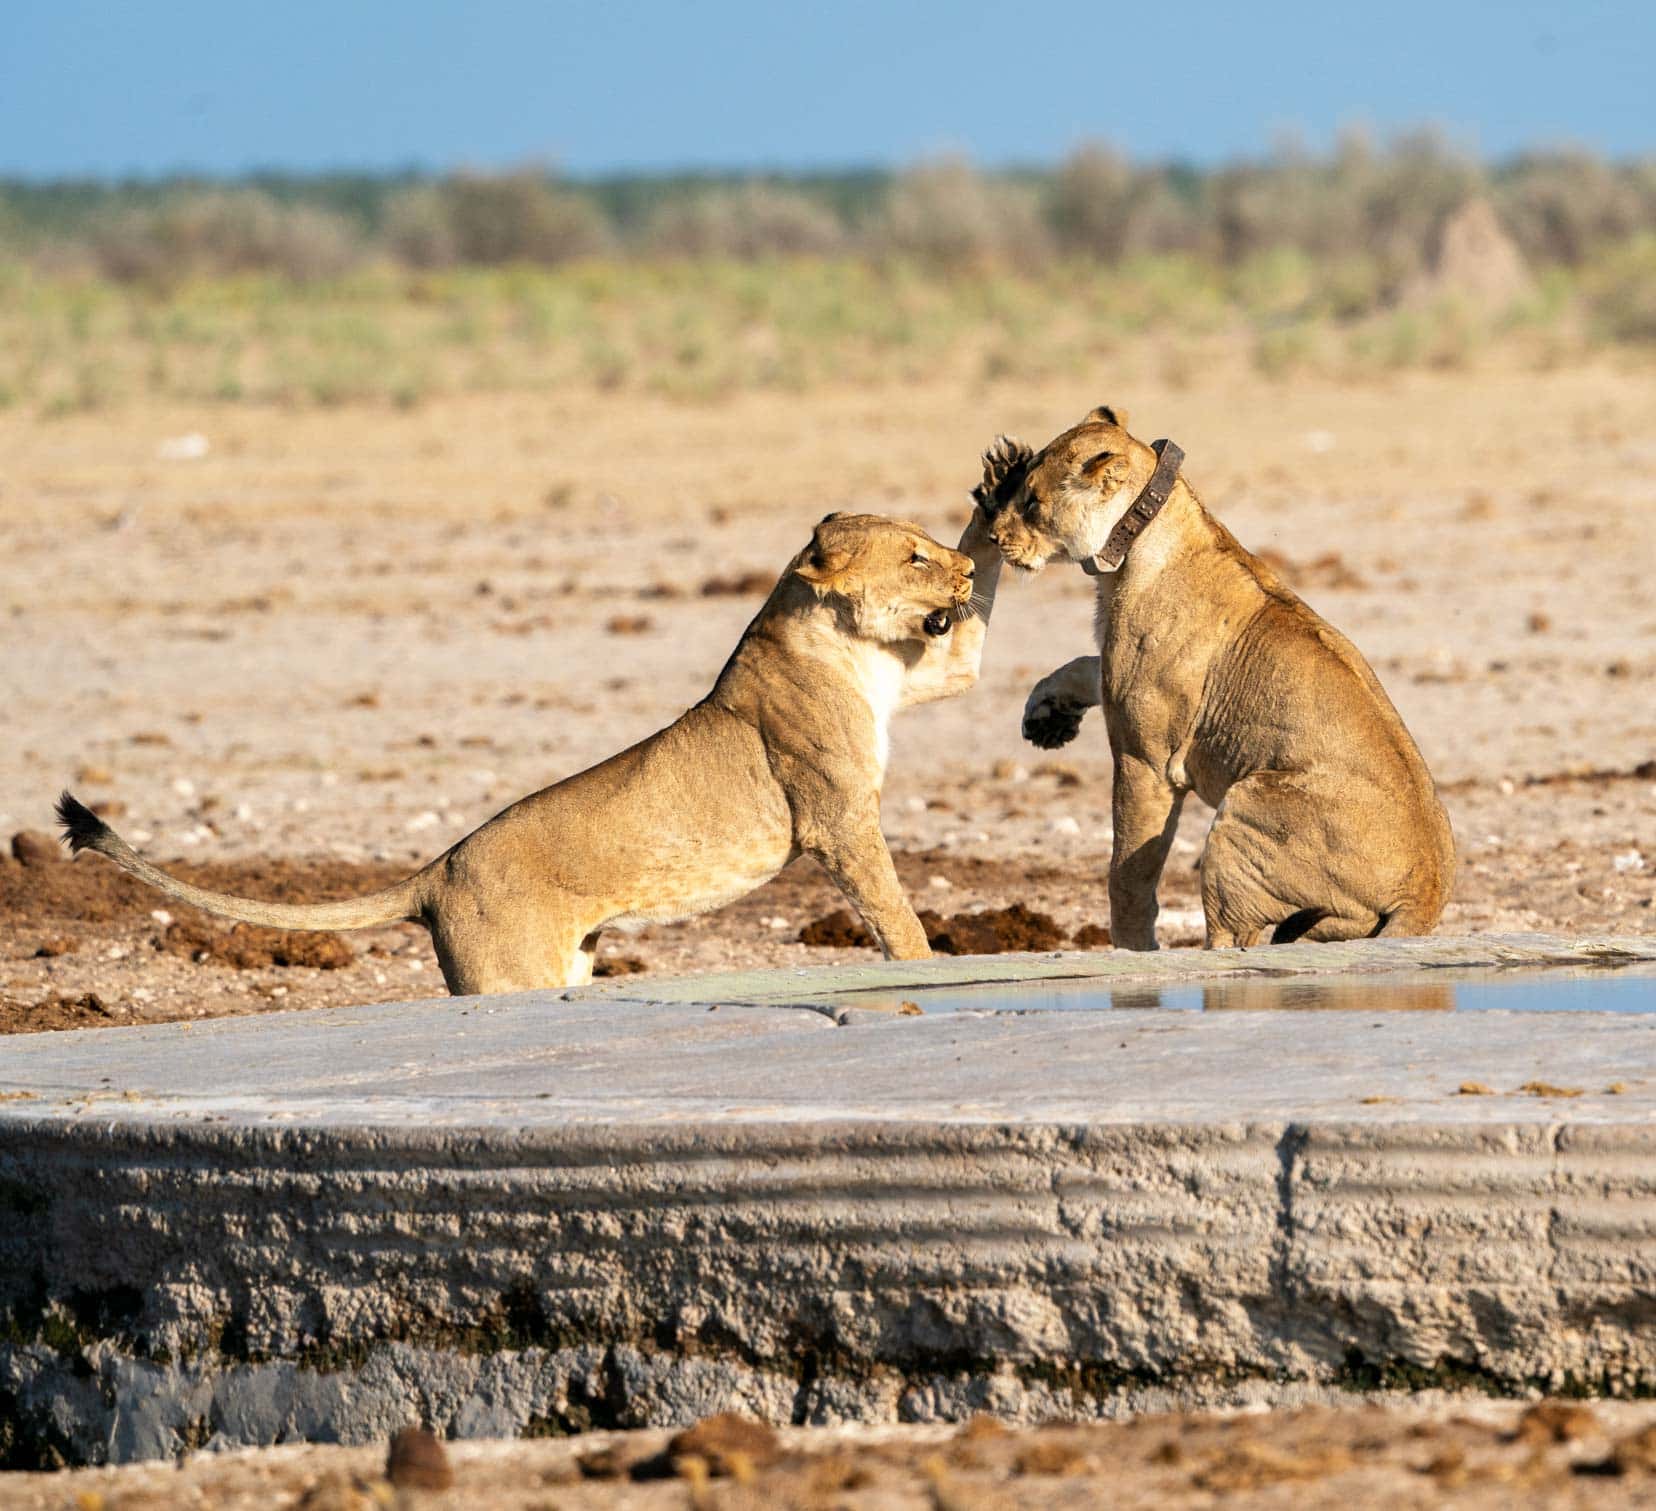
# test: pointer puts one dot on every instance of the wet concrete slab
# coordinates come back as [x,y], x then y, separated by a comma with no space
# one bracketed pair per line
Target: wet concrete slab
[789,1194]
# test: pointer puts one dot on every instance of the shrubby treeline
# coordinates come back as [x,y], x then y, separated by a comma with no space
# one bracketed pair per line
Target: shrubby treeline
[1371,205]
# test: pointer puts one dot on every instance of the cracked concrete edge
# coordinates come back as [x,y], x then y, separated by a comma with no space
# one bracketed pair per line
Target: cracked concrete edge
[819,985]
[872,1274]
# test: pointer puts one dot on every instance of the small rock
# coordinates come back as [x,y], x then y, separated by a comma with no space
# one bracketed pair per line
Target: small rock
[730,1445]
[192,446]
[100,776]
[1628,860]
[29,847]
[417,1461]
[1065,825]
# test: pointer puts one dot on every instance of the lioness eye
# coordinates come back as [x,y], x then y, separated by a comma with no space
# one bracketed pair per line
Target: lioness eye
[917,560]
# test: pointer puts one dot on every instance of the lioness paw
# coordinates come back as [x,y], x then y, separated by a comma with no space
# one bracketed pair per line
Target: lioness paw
[1004,465]
[1051,722]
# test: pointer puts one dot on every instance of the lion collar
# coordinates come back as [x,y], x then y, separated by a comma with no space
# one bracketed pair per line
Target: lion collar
[1145,508]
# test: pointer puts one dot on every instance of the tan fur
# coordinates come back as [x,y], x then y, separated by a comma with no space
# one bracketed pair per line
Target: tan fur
[1216,679]
[786,756]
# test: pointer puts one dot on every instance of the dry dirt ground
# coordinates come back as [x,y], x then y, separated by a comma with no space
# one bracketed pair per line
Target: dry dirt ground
[1552,1454]
[314,656]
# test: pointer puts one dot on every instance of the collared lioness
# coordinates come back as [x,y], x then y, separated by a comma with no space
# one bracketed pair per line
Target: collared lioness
[1216,678]
[786,756]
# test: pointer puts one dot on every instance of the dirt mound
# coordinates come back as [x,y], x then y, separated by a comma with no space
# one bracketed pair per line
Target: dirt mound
[248,947]
[88,1010]
[749,584]
[995,931]
[1471,260]
[841,929]
[1329,570]
[620,965]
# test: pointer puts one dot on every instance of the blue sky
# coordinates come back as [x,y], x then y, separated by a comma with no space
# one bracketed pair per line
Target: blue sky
[117,88]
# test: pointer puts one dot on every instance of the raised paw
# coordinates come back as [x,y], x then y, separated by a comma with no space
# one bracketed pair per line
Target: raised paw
[1051,722]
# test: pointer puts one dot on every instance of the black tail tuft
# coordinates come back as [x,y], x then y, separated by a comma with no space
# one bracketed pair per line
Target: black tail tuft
[82,828]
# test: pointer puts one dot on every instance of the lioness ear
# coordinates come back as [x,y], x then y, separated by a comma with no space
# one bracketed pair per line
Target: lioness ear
[822,562]
[1109,414]
[1105,465]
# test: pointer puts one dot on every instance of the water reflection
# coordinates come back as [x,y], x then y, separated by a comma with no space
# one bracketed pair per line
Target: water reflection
[1327,996]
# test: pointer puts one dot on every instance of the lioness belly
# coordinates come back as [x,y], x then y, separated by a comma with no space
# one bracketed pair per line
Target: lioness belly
[702,883]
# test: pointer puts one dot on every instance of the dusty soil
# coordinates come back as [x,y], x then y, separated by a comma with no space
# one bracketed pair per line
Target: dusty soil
[1553,1454]
[311,659]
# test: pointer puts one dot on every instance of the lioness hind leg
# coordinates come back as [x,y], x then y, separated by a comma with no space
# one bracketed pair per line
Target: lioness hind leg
[514,955]
[1267,870]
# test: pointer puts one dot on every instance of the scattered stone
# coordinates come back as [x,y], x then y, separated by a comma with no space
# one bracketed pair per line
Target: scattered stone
[746,584]
[1326,571]
[417,1461]
[1253,1466]
[1635,1453]
[96,775]
[1556,1422]
[1051,1458]
[1538,623]
[1475,1089]
[629,624]
[192,446]
[58,944]
[29,847]
[149,737]
[1545,1089]
[731,1445]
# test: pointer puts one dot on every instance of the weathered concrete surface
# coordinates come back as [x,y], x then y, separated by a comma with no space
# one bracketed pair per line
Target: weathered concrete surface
[534,1213]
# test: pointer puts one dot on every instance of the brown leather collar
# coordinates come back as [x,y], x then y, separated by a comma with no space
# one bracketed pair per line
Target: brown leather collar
[1145,508]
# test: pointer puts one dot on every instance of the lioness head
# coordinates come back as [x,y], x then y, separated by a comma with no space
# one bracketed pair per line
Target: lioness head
[1072,492]
[887,579]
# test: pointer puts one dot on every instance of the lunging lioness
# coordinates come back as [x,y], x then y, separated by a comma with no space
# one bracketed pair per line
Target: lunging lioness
[1215,678]
[786,756]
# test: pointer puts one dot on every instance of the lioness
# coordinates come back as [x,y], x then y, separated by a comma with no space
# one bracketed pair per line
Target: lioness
[1216,678]
[786,756]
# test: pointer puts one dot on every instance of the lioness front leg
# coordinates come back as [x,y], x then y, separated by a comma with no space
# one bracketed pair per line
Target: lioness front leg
[1145,807]
[1058,702]
[950,666]
[861,865]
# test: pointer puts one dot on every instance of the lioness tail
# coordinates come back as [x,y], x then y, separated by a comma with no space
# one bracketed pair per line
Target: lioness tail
[84,830]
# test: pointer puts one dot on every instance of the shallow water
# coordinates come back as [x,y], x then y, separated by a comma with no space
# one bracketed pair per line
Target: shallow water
[1601,989]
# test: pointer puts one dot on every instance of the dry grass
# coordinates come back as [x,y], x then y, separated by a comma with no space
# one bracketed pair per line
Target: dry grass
[702,329]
